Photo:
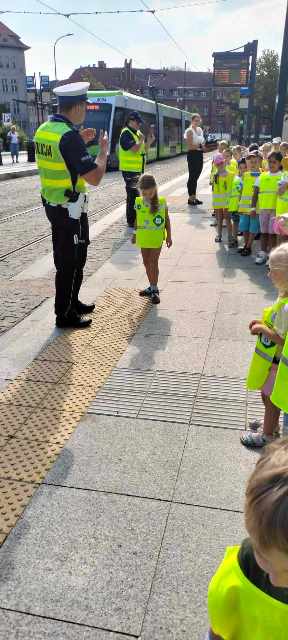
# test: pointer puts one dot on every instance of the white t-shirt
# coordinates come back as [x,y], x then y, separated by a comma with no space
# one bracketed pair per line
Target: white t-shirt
[198,137]
[13,137]
[280,325]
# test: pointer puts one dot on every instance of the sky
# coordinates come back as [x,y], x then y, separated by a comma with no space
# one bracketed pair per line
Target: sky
[199,29]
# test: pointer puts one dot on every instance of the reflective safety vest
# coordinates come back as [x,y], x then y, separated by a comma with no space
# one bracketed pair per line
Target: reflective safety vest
[222,187]
[238,610]
[265,349]
[54,175]
[249,178]
[265,165]
[232,166]
[268,187]
[150,231]
[235,194]
[282,200]
[133,161]
[279,395]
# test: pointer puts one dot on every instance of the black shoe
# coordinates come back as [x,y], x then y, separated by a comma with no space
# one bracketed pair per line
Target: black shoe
[72,322]
[198,201]
[155,299]
[83,309]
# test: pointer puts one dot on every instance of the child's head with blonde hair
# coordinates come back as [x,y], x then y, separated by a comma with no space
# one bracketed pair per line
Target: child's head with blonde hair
[222,145]
[237,152]
[266,512]
[265,149]
[284,148]
[278,264]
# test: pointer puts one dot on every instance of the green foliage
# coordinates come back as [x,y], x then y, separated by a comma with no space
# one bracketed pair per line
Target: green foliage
[4,132]
[266,83]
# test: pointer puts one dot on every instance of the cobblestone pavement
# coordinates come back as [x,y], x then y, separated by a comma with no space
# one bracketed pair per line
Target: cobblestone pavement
[19,298]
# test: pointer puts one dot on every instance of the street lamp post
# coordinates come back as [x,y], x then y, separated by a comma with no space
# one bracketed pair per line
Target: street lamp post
[65,36]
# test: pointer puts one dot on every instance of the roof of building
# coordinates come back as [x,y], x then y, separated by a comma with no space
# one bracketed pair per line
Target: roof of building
[10,39]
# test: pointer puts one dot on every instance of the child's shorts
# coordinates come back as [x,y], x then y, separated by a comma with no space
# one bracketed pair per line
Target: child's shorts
[266,222]
[235,217]
[248,224]
[270,381]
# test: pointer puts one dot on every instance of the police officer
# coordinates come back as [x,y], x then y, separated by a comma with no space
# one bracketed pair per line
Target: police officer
[132,158]
[65,167]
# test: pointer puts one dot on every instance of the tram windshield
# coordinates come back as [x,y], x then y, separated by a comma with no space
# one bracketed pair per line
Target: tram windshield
[98,116]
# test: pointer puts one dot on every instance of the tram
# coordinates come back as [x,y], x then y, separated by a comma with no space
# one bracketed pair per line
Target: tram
[108,110]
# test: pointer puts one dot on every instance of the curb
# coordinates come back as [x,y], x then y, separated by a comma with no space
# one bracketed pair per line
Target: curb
[22,173]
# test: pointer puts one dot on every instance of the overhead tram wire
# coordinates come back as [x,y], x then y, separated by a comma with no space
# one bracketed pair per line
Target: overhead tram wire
[169,35]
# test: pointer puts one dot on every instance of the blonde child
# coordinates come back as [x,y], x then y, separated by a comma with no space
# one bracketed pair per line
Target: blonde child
[152,225]
[234,201]
[237,152]
[230,162]
[265,195]
[249,221]
[265,150]
[222,145]
[284,151]
[222,185]
[248,595]
[272,332]
[276,144]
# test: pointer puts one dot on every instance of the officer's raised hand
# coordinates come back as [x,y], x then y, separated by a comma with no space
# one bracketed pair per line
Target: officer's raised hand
[103,142]
[88,135]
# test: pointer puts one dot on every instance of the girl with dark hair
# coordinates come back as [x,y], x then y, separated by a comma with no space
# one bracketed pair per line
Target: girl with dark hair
[195,142]
[152,227]
[265,197]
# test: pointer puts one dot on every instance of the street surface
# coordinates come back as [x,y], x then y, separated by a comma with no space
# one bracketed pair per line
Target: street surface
[122,537]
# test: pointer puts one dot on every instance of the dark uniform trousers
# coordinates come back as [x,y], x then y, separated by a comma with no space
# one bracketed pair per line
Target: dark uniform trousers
[70,240]
[131,182]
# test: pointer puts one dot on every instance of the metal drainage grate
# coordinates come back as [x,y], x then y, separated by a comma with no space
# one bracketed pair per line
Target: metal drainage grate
[218,413]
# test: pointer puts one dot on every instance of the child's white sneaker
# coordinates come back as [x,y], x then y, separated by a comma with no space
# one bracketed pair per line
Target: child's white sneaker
[261,257]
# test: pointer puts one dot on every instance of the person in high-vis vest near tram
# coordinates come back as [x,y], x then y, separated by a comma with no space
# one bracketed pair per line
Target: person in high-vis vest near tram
[152,228]
[234,200]
[249,220]
[272,333]
[132,159]
[65,167]
[222,186]
[248,595]
[265,197]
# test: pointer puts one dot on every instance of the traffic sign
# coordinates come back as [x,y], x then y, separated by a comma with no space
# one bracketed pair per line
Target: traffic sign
[7,119]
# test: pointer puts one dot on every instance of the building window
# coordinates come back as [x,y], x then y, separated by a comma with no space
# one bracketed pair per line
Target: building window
[14,87]
[16,107]
[1,63]
[160,92]
[13,63]
[191,94]
[5,87]
[203,94]
[7,62]
[205,109]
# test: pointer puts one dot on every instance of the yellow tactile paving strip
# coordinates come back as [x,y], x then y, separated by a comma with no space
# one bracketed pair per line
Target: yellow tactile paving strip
[41,408]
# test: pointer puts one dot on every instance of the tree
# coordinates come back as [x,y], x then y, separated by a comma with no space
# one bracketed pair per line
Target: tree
[266,85]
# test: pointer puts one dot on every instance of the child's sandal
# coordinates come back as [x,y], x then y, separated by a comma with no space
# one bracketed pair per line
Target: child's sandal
[254,440]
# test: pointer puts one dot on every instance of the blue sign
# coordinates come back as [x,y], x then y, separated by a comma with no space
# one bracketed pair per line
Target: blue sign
[30,82]
[244,92]
[45,83]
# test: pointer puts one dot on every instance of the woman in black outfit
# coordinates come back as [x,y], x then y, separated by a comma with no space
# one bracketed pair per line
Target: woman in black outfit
[195,143]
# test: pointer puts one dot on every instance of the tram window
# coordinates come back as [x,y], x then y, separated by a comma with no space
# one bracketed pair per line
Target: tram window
[120,119]
[98,116]
[172,131]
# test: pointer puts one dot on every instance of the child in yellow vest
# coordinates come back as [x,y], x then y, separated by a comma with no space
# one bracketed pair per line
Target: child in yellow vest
[248,595]
[230,162]
[272,331]
[234,200]
[152,226]
[265,196]
[284,151]
[249,222]
[265,150]
[222,185]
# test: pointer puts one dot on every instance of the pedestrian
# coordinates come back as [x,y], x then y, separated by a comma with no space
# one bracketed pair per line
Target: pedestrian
[195,143]
[272,332]
[248,595]
[152,227]
[13,138]
[276,142]
[265,150]
[249,220]
[230,162]
[284,151]
[132,159]
[65,167]
[234,201]
[253,147]
[237,152]
[265,196]
[222,186]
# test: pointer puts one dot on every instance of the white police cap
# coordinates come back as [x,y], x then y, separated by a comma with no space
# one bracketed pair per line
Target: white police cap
[72,93]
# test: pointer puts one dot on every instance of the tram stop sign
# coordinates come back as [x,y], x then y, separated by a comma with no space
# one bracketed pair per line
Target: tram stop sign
[231,69]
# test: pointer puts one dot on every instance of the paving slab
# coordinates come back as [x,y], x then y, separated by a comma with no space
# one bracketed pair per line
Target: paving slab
[165,352]
[233,327]
[135,457]
[228,358]
[235,302]
[197,275]
[214,480]
[191,297]
[177,323]
[209,260]
[193,546]
[20,626]
[83,557]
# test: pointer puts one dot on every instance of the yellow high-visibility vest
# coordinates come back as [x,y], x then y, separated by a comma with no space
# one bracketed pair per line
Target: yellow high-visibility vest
[279,395]
[282,200]
[150,227]
[235,195]
[222,188]
[268,188]
[133,161]
[238,610]
[265,350]
[54,175]
[248,178]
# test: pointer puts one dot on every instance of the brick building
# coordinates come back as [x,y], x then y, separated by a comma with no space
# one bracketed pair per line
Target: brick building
[13,93]
[191,90]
